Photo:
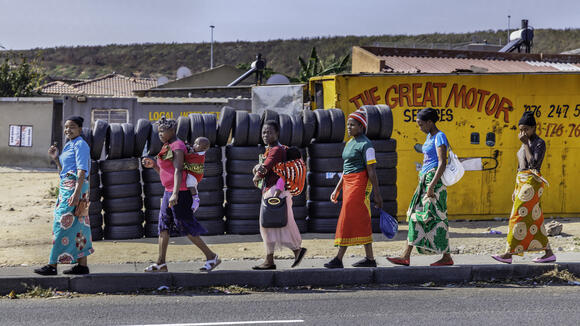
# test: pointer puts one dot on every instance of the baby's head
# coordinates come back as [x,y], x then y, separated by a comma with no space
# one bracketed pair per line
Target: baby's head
[201,144]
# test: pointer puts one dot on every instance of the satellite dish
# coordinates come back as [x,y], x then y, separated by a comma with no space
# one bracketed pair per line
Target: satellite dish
[162,80]
[277,79]
[183,72]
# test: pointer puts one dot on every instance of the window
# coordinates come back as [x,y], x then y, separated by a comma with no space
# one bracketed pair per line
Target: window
[110,115]
[20,136]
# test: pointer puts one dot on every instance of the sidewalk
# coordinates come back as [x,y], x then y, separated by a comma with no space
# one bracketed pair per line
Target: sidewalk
[130,277]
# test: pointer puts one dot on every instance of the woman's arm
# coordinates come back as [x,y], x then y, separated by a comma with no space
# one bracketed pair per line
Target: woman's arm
[336,192]
[178,156]
[53,154]
[442,156]
[372,172]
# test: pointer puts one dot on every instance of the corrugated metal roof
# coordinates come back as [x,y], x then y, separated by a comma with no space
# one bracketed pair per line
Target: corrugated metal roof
[109,85]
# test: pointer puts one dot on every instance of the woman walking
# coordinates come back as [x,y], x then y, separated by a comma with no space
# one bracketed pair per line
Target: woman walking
[427,213]
[358,179]
[273,186]
[71,228]
[526,225]
[176,212]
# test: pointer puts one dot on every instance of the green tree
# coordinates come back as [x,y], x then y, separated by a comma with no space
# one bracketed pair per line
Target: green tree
[19,79]
[315,66]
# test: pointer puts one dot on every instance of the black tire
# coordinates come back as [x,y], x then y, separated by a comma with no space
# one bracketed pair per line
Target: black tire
[210,127]
[240,166]
[95,194]
[122,191]
[388,192]
[213,169]
[323,126]
[254,130]
[150,176]
[300,200]
[225,124]
[386,121]
[248,153]
[302,225]
[211,184]
[142,131]
[114,141]
[243,196]
[269,115]
[95,180]
[321,179]
[97,234]
[240,132]
[196,127]
[373,121]
[153,202]
[243,211]
[385,145]
[205,213]
[153,142]
[323,209]
[309,120]
[118,205]
[120,177]
[321,193]
[124,218]
[213,155]
[122,164]
[96,220]
[285,137]
[94,167]
[99,135]
[387,176]
[322,225]
[325,164]
[95,208]
[389,206]
[242,227]
[386,160]
[240,181]
[87,135]
[183,129]
[151,230]
[124,232]
[214,227]
[338,125]
[300,212]
[297,131]
[153,189]
[211,198]
[376,225]
[128,139]
[322,150]
[151,216]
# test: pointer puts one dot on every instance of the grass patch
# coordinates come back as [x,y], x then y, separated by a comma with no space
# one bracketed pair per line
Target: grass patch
[52,192]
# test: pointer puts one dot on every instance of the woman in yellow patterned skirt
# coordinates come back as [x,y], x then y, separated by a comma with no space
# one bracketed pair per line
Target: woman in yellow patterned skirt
[526,225]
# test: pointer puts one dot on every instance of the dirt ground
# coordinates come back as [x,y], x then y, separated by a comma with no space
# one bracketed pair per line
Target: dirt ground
[26,218]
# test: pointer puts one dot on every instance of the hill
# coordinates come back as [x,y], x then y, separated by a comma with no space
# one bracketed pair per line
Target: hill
[153,60]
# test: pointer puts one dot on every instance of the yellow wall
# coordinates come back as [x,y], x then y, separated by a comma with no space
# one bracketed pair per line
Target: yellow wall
[485,103]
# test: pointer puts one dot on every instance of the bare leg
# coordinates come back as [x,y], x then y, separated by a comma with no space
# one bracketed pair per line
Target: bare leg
[341,252]
[549,253]
[163,243]
[506,255]
[407,253]
[369,251]
[82,261]
[202,246]
[445,259]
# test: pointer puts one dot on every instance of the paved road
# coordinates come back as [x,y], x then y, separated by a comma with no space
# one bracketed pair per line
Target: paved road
[556,305]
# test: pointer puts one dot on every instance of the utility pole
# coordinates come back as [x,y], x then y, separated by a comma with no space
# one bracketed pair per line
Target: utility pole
[508,36]
[211,50]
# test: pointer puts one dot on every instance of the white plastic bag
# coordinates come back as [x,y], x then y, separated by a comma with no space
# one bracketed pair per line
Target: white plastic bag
[454,170]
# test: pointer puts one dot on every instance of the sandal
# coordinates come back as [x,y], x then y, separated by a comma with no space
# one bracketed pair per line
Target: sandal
[211,264]
[155,268]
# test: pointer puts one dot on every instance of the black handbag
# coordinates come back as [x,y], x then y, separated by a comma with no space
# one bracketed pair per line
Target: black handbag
[273,212]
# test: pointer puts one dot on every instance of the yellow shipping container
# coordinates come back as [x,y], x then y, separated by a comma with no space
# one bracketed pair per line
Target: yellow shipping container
[479,114]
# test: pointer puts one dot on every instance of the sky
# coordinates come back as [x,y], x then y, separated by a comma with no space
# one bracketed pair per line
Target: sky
[26,24]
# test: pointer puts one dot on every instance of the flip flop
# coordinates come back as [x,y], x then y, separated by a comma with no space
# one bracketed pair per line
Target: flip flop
[399,261]
[298,258]
[155,268]
[541,260]
[502,260]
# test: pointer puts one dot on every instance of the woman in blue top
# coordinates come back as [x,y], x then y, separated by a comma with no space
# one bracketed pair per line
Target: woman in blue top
[71,234]
[427,213]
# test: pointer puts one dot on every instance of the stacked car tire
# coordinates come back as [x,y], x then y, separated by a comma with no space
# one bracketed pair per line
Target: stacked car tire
[96,139]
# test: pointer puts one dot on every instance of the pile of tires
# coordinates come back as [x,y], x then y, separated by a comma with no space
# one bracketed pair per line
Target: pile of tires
[96,140]
[122,201]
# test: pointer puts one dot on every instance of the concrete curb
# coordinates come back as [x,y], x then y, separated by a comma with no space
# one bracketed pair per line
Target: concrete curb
[132,282]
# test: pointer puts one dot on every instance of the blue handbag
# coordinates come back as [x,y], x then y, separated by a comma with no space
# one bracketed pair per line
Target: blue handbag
[389,225]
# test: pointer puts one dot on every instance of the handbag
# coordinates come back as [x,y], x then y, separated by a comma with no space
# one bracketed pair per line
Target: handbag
[82,208]
[273,213]
[454,170]
[389,225]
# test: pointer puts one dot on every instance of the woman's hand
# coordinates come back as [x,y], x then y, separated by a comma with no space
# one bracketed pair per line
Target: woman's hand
[173,200]
[431,191]
[523,137]
[53,152]
[148,163]
[73,200]
[256,180]
[334,196]
[378,199]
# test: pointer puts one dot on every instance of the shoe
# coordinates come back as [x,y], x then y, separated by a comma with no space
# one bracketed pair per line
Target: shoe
[365,263]
[77,270]
[156,268]
[502,260]
[550,259]
[334,263]
[211,264]
[298,258]
[264,267]
[443,263]
[46,270]
[399,261]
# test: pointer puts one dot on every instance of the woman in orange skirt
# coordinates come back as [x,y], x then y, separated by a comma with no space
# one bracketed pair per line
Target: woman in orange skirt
[357,181]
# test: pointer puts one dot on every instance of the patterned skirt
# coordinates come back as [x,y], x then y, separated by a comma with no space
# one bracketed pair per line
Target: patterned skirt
[354,223]
[427,217]
[526,226]
[71,234]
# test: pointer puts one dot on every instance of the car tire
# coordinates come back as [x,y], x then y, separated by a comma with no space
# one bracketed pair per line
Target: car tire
[243,181]
[142,131]
[338,125]
[240,166]
[122,164]
[122,190]
[225,124]
[243,196]
[98,139]
[240,132]
[124,218]
[97,234]
[96,220]
[211,184]
[151,216]
[124,232]
[389,206]
[388,192]
[242,211]
[297,131]
[183,129]
[324,150]
[323,131]
[205,213]
[285,134]
[326,164]
[373,121]
[247,153]
[254,130]
[87,135]
[95,194]
[120,177]
[384,145]
[309,121]
[118,205]
[211,198]
[210,127]
[300,200]
[322,225]
[196,127]
[213,169]
[153,189]
[153,142]
[153,202]
[387,176]
[386,160]
[128,139]
[269,115]
[214,227]
[242,227]
[323,209]
[300,212]
[114,141]
[150,175]
[322,179]
[95,208]
[321,193]
[386,121]
[213,155]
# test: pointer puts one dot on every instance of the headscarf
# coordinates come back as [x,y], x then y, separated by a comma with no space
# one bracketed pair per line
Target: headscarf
[76,119]
[528,119]
[359,116]
[428,114]
[167,123]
